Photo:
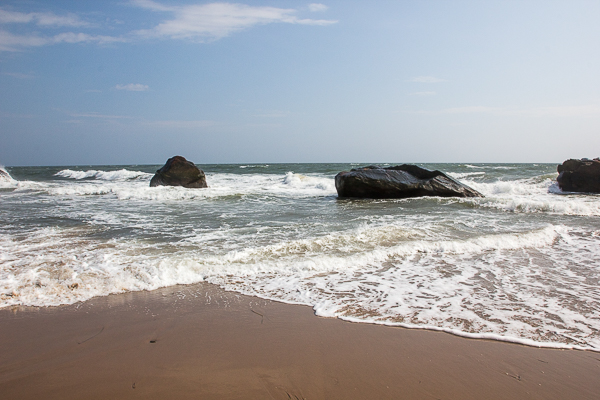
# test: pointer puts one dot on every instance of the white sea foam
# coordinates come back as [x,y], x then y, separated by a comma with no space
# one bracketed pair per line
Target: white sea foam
[457,175]
[220,185]
[255,166]
[6,181]
[489,166]
[51,259]
[533,196]
[518,265]
[119,175]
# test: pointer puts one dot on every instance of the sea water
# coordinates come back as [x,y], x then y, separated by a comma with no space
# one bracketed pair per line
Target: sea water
[521,264]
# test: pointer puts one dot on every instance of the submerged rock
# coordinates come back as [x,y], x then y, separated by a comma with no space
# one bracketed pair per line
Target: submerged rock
[178,171]
[579,175]
[400,181]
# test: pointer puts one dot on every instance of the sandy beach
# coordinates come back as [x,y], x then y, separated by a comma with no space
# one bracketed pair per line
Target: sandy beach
[201,342]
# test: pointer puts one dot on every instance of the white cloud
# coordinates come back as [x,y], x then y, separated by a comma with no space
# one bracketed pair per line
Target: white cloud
[19,75]
[426,79]
[316,7]
[11,42]
[180,124]
[70,37]
[17,42]
[133,87]
[216,20]
[424,93]
[152,5]
[41,19]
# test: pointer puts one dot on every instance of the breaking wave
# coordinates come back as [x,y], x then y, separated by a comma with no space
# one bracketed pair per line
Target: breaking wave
[6,181]
[120,175]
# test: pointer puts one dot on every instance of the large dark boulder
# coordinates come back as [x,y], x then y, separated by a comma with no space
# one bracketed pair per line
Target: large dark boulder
[179,172]
[400,181]
[579,176]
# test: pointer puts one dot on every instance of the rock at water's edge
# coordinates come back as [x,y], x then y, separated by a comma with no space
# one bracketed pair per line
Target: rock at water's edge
[579,175]
[178,171]
[400,181]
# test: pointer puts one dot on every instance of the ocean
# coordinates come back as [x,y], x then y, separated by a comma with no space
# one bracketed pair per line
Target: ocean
[520,265]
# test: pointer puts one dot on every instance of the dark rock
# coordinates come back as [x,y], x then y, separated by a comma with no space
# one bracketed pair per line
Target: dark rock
[400,181]
[579,175]
[179,172]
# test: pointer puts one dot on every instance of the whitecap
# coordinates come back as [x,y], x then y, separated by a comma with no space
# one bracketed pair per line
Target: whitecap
[6,181]
[119,175]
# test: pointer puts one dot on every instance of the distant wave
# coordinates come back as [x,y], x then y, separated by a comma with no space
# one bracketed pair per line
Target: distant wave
[127,185]
[120,175]
[458,175]
[488,167]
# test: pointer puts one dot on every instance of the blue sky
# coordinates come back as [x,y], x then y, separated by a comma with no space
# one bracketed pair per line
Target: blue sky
[136,82]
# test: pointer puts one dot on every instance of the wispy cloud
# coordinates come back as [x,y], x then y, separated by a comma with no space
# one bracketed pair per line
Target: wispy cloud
[424,93]
[201,22]
[19,75]
[11,42]
[132,87]
[426,79]
[41,19]
[70,37]
[196,22]
[316,7]
[181,124]
[98,115]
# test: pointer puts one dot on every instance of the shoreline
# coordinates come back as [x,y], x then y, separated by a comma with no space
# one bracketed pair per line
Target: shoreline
[199,341]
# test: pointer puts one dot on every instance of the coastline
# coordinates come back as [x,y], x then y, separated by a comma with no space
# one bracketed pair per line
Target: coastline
[199,341]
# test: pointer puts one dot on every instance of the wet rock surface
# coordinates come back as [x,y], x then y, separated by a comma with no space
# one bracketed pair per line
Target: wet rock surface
[400,181]
[579,175]
[178,171]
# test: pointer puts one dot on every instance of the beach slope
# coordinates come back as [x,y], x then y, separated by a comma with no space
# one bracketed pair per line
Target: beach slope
[200,342]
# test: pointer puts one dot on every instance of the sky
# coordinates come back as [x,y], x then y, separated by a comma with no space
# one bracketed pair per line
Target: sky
[274,81]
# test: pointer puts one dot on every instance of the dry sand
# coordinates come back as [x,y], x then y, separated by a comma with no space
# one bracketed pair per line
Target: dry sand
[200,342]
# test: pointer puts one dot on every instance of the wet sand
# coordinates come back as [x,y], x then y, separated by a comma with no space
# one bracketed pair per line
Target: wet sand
[199,342]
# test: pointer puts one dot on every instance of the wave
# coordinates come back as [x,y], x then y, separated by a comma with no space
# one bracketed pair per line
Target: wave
[458,175]
[533,195]
[120,175]
[254,166]
[305,182]
[51,260]
[341,252]
[220,185]
[382,274]
[489,166]
[6,181]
